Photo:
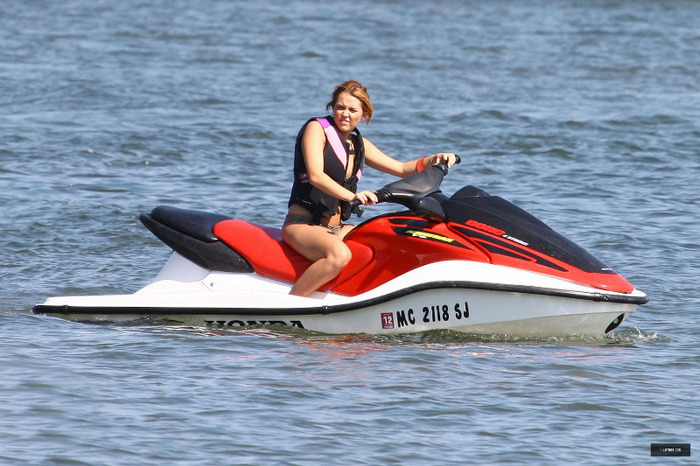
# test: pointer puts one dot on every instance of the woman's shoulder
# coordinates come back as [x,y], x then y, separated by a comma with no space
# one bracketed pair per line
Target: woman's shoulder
[319,120]
[314,125]
[310,123]
[312,129]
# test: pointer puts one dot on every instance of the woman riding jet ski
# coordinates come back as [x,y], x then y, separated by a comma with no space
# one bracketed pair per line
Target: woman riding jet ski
[470,262]
[329,156]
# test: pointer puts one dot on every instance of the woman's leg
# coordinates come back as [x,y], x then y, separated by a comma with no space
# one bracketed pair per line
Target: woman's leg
[327,250]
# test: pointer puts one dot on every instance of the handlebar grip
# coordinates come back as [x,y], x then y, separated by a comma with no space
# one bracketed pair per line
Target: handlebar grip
[382,196]
[443,166]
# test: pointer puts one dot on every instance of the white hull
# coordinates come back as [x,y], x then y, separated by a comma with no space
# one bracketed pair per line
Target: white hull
[456,295]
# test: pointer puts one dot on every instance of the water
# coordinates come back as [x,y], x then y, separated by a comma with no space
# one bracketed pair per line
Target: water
[584,113]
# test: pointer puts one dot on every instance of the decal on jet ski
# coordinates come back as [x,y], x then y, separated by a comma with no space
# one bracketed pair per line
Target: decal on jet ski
[387,320]
[495,231]
[485,227]
[246,323]
[427,315]
[427,235]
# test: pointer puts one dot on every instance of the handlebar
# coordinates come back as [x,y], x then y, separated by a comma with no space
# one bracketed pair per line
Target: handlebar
[408,190]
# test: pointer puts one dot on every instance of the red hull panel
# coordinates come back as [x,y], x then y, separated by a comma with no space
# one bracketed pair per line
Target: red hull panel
[387,247]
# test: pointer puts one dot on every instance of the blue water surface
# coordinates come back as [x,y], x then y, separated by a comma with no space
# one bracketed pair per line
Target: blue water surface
[584,113]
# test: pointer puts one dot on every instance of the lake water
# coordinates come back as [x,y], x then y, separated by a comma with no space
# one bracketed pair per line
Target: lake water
[584,113]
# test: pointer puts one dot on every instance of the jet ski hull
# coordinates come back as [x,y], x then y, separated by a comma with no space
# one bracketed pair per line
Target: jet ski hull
[502,301]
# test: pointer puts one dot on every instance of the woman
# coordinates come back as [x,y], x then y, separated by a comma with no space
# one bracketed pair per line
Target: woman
[329,156]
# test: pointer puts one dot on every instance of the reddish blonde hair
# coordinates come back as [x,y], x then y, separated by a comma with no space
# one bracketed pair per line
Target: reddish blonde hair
[358,91]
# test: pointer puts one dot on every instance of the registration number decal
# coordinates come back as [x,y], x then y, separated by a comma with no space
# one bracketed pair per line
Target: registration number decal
[387,320]
[426,315]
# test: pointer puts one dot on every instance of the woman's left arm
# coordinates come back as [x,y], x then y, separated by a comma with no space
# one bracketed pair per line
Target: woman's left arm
[378,160]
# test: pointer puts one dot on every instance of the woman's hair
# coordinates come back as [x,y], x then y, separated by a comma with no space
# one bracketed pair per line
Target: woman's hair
[358,91]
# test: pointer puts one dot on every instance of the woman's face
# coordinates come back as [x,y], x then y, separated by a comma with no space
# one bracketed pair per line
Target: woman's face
[347,112]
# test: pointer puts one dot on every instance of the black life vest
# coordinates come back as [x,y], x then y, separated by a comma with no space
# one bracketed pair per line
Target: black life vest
[335,159]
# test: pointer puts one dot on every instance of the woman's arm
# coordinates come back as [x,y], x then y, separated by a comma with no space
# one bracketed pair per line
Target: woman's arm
[380,161]
[312,145]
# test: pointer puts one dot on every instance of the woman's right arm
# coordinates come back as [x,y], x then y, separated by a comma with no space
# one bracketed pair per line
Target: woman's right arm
[312,144]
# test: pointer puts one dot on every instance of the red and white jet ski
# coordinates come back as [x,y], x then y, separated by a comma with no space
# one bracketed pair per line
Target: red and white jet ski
[470,263]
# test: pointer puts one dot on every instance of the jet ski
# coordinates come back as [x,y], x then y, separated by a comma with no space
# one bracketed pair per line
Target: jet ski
[470,262]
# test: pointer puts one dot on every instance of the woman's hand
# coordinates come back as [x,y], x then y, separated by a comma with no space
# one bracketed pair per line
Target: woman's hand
[365,197]
[447,158]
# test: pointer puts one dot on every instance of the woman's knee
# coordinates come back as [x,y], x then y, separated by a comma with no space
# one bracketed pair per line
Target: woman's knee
[340,256]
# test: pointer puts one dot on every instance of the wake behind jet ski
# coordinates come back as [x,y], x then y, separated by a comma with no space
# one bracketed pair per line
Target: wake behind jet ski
[470,262]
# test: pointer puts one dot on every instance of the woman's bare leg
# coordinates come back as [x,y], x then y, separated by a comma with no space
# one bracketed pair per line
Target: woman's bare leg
[326,249]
